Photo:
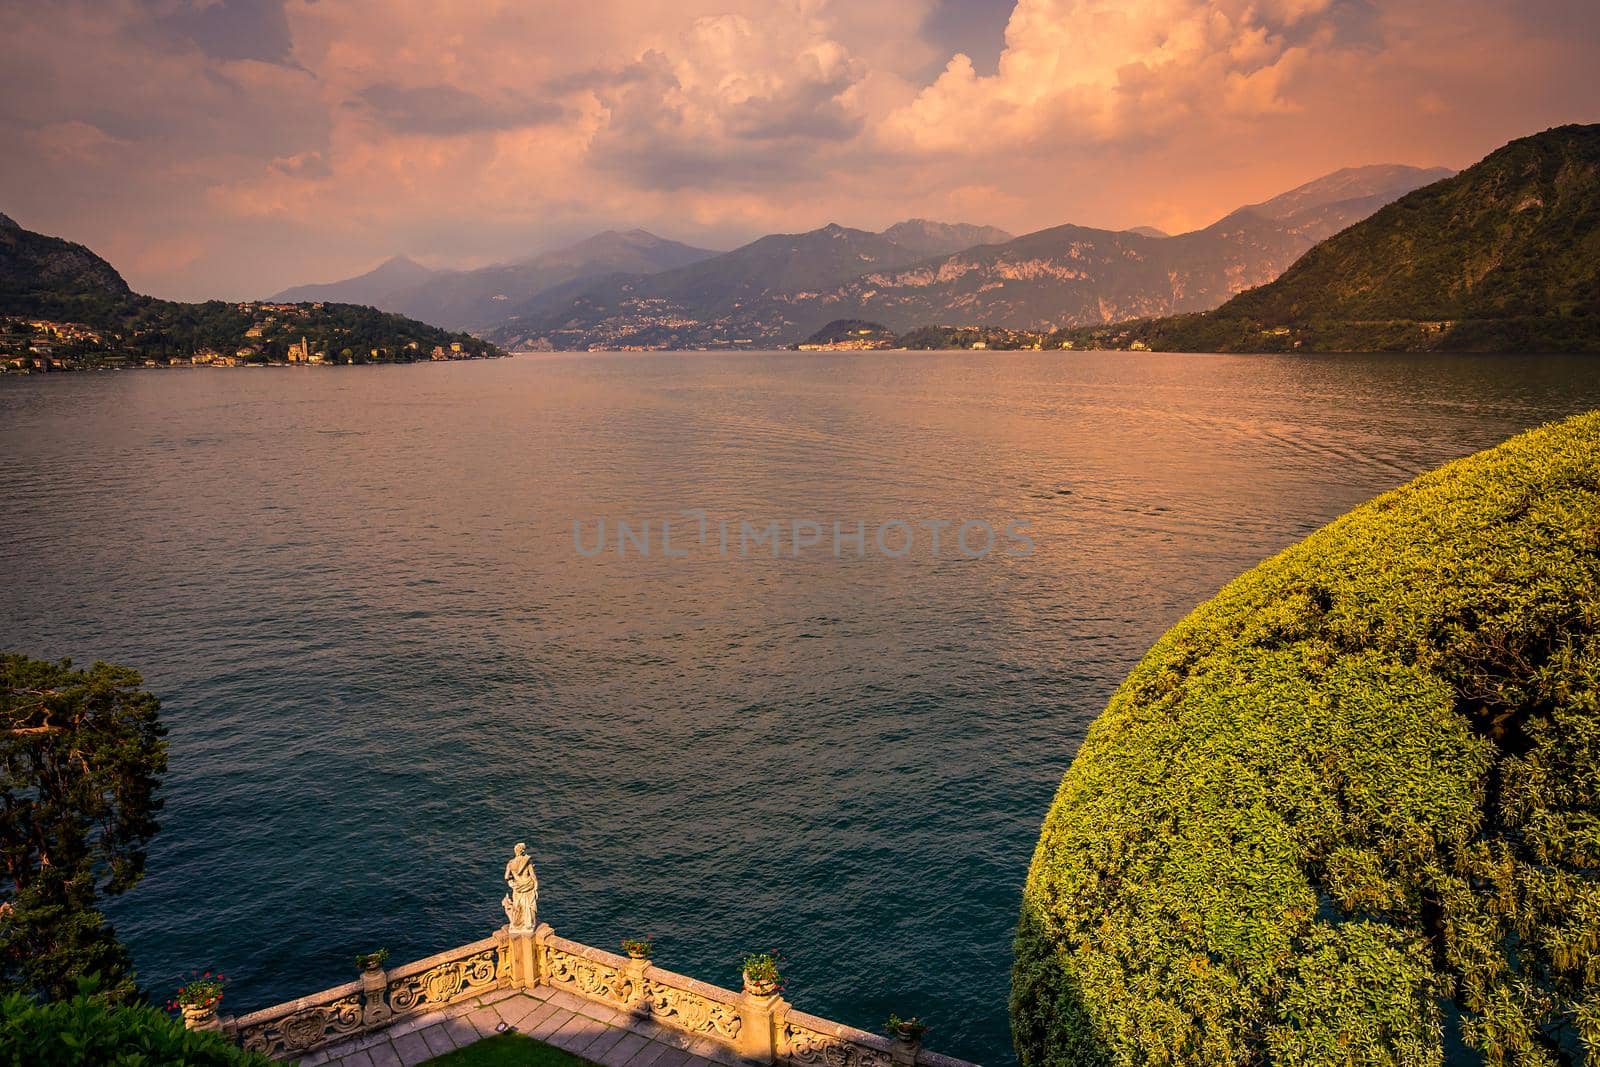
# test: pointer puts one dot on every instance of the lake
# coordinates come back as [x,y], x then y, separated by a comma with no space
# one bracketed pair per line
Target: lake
[384,657]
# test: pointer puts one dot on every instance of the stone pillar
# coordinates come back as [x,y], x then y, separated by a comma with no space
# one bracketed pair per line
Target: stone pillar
[905,1051]
[526,948]
[374,996]
[757,1034]
[634,969]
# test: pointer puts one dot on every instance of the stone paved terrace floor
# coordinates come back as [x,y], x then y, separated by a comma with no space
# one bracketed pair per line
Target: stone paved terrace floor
[595,1032]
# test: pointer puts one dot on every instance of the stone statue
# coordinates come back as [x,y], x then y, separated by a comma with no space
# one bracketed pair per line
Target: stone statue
[522,903]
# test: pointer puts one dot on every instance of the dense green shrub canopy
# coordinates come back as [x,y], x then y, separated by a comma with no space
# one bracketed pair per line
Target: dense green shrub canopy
[86,1030]
[1348,811]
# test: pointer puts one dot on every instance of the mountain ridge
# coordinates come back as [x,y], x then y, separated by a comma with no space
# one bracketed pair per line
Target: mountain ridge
[372,287]
[1062,276]
[53,277]
[476,299]
[942,238]
[1502,256]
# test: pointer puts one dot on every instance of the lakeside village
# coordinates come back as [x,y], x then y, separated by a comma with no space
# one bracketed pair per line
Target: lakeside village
[856,335]
[276,335]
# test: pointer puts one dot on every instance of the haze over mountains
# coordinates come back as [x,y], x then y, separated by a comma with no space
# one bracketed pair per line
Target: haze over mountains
[780,289]
[635,289]
[479,299]
[489,297]
[1501,257]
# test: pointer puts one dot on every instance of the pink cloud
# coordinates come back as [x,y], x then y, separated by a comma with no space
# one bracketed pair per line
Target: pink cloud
[473,130]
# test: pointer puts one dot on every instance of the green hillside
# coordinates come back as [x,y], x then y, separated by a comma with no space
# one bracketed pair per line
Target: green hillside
[1503,256]
[52,278]
[47,278]
[1348,811]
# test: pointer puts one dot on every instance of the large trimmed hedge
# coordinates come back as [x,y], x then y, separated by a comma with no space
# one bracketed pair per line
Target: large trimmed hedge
[1348,811]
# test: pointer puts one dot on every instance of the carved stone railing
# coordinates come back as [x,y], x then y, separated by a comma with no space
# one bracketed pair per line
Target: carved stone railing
[448,978]
[379,998]
[672,1000]
[589,972]
[302,1025]
[756,1025]
[807,1041]
[698,1009]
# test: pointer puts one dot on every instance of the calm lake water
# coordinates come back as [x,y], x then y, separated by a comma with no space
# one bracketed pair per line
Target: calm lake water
[383,662]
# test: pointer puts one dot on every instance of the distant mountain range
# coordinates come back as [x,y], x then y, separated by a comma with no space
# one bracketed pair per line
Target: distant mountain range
[781,288]
[1505,256]
[941,238]
[378,287]
[479,299]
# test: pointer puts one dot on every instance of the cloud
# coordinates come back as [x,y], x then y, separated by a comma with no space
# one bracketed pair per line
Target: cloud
[733,99]
[444,110]
[234,29]
[322,135]
[1092,72]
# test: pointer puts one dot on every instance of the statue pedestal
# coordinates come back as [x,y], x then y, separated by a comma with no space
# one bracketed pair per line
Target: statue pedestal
[525,944]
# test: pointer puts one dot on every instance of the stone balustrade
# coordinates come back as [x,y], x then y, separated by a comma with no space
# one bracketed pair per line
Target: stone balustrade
[378,998]
[755,1025]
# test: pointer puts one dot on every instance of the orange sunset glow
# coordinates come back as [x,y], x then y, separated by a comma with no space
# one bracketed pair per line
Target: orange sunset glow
[232,148]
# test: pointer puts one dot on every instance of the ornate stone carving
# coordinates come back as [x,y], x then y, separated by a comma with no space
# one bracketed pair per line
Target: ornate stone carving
[446,983]
[588,978]
[814,1049]
[305,1030]
[522,903]
[683,1010]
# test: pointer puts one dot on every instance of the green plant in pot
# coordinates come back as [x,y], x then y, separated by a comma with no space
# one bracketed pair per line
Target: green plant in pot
[762,974]
[198,998]
[910,1029]
[372,961]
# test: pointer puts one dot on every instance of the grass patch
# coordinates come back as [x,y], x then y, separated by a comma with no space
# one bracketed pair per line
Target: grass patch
[509,1049]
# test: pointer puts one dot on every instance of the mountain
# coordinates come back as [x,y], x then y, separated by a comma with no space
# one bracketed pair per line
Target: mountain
[942,238]
[781,289]
[706,302]
[1148,231]
[375,287]
[51,278]
[476,299]
[1503,256]
[1384,181]
[91,317]
[1076,275]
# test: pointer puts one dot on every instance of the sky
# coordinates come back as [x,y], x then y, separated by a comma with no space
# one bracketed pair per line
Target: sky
[231,148]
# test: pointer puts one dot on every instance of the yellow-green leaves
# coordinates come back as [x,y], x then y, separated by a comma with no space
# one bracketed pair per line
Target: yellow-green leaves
[1361,783]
